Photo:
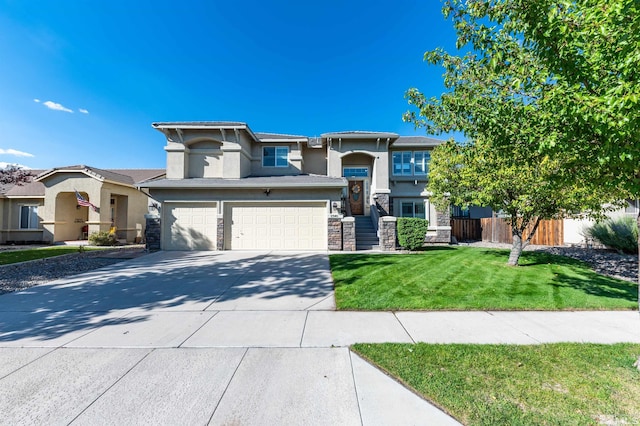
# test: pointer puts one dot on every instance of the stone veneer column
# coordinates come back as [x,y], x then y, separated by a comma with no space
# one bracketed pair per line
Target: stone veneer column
[387,233]
[443,229]
[349,234]
[152,232]
[334,231]
[382,200]
[220,233]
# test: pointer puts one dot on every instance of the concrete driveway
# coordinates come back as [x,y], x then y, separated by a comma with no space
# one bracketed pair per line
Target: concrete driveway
[197,338]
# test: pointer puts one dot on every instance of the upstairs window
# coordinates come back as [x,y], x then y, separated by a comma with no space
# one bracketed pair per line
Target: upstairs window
[410,163]
[29,217]
[275,156]
[421,163]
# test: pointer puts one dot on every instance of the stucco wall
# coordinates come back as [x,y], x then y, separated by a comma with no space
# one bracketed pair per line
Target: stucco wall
[10,220]
[314,160]
[295,160]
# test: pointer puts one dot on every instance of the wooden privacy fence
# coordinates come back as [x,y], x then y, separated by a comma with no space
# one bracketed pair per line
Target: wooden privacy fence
[549,232]
[466,229]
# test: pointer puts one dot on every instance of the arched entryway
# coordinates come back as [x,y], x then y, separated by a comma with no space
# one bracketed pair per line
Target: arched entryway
[358,169]
[70,218]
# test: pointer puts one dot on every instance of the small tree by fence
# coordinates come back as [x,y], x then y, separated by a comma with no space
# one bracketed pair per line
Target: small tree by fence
[497,230]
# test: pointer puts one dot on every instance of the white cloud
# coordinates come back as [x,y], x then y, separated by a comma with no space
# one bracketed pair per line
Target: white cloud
[15,152]
[56,106]
[36,100]
[82,110]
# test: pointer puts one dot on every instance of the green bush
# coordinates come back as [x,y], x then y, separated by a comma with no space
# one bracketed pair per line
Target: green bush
[620,234]
[411,232]
[103,238]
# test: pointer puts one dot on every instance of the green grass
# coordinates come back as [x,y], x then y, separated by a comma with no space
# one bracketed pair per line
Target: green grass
[467,278]
[15,256]
[566,383]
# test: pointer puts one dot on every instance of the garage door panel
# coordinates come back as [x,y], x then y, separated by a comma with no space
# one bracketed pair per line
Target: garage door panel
[190,226]
[278,227]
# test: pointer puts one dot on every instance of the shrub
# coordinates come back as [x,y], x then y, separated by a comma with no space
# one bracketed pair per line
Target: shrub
[103,238]
[620,234]
[411,232]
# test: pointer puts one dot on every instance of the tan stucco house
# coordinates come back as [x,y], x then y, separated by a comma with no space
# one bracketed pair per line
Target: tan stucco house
[229,188]
[46,208]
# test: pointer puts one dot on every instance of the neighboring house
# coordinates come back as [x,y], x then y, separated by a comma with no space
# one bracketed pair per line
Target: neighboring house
[46,209]
[574,229]
[20,209]
[228,188]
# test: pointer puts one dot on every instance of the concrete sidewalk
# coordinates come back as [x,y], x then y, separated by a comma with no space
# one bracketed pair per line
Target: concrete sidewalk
[232,338]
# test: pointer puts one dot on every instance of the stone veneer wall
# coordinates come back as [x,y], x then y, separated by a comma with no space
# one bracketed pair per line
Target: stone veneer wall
[220,234]
[334,230]
[443,229]
[387,232]
[348,234]
[383,202]
[152,232]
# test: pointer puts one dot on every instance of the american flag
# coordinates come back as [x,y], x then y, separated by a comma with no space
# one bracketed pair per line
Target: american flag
[83,202]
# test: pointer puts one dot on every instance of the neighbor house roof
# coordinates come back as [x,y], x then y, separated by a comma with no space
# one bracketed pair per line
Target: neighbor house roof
[27,189]
[295,181]
[128,177]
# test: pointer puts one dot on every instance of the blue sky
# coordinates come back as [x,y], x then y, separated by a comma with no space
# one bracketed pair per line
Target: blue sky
[82,81]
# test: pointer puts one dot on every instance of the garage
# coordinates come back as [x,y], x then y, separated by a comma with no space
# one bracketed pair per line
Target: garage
[276,226]
[190,226]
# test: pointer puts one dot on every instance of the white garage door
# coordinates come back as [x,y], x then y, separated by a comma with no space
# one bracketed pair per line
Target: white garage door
[279,226]
[190,226]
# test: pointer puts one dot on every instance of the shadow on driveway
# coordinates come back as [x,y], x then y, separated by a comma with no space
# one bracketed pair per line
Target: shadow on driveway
[173,281]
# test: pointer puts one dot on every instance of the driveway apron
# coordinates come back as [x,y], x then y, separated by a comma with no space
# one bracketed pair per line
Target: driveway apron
[197,338]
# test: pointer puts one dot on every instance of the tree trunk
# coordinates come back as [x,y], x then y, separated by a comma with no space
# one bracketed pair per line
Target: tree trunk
[516,250]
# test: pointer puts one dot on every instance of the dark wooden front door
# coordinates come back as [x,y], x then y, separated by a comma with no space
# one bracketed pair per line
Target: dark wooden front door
[356,197]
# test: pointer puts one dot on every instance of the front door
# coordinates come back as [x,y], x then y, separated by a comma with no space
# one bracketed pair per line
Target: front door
[356,197]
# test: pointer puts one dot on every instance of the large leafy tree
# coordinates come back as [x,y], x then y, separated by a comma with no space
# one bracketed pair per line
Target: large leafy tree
[498,95]
[520,183]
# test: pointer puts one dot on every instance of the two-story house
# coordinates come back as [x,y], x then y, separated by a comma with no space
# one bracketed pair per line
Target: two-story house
[229,188]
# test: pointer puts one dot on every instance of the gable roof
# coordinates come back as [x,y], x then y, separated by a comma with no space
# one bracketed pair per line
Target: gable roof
[128,177]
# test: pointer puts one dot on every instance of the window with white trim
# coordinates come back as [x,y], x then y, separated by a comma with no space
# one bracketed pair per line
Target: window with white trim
[421,162]
[29,217]
[410,163]
[412,209]
[275,156]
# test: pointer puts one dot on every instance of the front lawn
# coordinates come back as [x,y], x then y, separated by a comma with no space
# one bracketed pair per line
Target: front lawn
[468,278]
[566,383]
[15,256]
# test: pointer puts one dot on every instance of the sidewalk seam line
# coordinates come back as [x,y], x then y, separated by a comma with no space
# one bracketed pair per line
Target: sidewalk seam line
[112,385]
[355,386]
[304,328]
[228,384]
[404,328]
[198,329]
[51,350]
